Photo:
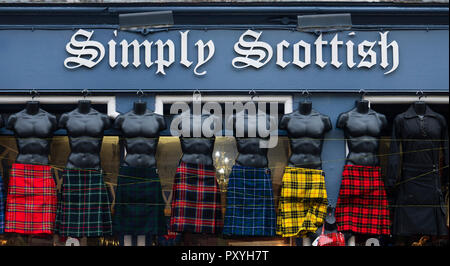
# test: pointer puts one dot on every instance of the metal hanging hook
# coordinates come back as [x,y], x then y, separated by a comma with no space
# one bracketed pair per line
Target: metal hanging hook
[363,93]
[420,94]
[196,94]
[33,93]
[140,94]
[306,94]
[85,93]
[252,94]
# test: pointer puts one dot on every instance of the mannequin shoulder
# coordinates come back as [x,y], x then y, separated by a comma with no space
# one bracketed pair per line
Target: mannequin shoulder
[12,119]
[326,121]
[342,119]
[441,119]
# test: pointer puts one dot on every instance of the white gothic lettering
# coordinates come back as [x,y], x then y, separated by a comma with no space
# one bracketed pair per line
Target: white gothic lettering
[251,49]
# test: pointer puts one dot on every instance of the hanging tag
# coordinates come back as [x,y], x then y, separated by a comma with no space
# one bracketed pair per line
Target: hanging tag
[167,196]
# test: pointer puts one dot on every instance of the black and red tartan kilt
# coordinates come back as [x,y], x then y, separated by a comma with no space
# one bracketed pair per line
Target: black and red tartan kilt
[362,206]
[196,203]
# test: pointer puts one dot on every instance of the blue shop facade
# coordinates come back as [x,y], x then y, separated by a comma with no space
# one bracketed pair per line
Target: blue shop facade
[390,55]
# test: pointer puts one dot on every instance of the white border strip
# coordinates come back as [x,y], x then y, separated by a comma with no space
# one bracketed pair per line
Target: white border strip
[436,99]
[160,100]
[110,101]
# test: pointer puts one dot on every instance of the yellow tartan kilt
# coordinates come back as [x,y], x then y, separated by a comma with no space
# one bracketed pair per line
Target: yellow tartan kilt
[303,202]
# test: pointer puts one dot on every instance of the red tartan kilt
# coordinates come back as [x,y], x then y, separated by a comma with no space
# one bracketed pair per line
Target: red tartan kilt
[31,200]
[362,206]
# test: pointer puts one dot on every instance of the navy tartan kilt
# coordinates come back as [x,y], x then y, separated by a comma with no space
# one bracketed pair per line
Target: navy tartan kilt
[250,209]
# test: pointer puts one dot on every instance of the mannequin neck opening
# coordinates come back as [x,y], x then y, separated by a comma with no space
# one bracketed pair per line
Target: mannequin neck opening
[305,107]
[139,107]
[362,106]
[84,106]
[32,107]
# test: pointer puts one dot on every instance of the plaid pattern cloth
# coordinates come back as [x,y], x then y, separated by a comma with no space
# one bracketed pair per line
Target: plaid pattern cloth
[31,200]
[2,207]
[362,206]
[196,203]
[250,207]
[139,205]
[84,206]
[303,202]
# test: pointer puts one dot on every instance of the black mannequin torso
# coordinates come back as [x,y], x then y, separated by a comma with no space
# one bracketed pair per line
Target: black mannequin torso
[250,154]
[196,150]
[85,127]
[362,128]
[141,129]
[306,129]
[33,128]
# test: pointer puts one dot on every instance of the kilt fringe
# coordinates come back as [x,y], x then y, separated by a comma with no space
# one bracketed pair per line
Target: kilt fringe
[303,202]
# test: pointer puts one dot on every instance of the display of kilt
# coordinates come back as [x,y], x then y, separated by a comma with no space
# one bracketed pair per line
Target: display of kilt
[31,200]
[303,202]
[84,206]
[139,204]
[2,207]
[196,205]
[250,209]
[362,206]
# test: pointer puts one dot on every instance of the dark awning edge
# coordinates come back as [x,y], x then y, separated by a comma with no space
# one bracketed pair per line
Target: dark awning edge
[365,15]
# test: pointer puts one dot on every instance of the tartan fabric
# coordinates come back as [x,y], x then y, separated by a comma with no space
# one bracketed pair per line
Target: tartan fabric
[31,200]
[250,209]
[303,202]
[84,206]
[2,207]
[362,206]
[196,200]
[139,205]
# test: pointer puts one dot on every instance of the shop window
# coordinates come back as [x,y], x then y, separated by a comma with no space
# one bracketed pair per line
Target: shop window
[59,150]
[224,155]
[391,106]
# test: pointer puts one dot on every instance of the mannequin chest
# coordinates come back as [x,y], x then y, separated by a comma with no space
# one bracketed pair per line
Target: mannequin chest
[364,125]
[33,126]
[140,126]
[305,126]
[85,125]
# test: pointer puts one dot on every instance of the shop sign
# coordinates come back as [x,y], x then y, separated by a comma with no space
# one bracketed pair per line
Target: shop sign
[251,52]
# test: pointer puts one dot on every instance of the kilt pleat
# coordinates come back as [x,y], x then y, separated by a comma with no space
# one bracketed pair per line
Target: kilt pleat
[250,209]
[31,200]
[2,207]
[84,205]
[139,205]
[303,202]
[196,205]
[362,205]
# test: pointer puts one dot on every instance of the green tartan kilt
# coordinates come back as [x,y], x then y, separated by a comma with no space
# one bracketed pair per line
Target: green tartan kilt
[139,205]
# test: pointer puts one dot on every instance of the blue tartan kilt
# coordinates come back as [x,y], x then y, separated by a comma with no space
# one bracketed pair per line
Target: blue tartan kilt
[2,207]
[250,209]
